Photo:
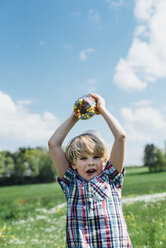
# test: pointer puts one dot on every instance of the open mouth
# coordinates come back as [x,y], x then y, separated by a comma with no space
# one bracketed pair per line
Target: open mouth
[91,171]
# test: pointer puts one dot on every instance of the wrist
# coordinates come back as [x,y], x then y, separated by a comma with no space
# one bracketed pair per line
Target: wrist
[102,111]
[74,117]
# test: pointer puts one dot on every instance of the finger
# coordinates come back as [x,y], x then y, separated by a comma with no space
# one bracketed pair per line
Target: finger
[95,95]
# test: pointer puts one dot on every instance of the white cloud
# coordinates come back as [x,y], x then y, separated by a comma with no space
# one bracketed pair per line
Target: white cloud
[145,9]
[84,53]
[23,127]
[143,123]
[126,78]
[146,59]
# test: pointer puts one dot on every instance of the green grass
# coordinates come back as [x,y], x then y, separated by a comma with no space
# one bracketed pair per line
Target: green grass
[40,229]
[31,192]
[138,181]
[20,201]
[146,224]
[29,216]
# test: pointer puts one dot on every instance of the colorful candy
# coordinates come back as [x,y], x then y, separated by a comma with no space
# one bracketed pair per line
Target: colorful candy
[85,107]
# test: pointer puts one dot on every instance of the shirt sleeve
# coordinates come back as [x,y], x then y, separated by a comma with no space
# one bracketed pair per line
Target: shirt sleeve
[115,176]
[66,180]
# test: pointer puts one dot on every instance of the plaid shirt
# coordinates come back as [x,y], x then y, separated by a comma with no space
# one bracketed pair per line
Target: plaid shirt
[94,210]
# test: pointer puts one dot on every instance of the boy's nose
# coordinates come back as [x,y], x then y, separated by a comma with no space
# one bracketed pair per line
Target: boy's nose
[90,161]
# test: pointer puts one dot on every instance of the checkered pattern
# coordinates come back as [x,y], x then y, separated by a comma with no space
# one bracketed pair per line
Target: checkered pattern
[94,210]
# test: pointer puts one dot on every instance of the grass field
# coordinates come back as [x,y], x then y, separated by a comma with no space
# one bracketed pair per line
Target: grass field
[34,215]
[138,181]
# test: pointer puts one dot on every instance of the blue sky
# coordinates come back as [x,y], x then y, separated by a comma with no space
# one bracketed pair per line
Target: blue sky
[52,52]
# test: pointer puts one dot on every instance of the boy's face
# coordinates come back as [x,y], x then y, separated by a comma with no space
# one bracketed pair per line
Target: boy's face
[89,166]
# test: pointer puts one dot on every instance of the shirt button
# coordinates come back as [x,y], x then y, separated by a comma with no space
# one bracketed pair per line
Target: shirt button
[84,207]
[86,227]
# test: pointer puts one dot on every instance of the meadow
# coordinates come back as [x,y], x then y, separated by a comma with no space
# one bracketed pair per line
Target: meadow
[34,215]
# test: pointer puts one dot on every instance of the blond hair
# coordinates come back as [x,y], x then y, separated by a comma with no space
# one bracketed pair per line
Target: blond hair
[85,143]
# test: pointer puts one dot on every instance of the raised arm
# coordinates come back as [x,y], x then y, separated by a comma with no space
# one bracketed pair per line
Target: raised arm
[118,149]
[55,145]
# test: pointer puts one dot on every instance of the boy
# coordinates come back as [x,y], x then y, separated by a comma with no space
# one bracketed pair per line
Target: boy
[91,184]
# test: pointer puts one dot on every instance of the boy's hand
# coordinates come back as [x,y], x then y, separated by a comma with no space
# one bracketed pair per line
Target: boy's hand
[100,103]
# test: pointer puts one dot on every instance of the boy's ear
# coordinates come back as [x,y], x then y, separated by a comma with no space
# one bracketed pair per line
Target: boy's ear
[105,160]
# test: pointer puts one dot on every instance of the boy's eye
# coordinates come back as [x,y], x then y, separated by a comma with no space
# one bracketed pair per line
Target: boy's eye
[83,158]
[96,156]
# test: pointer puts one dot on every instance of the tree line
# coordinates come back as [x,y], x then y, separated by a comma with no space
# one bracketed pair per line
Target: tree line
[34,165]
[154,158]
[26,165]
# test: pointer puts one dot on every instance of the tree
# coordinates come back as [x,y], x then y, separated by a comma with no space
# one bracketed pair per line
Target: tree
[26,165]
[47,171]
[32,160]
[6,164]
[154,158]
[149,156]
[19,163]
[39,164]
[160,161]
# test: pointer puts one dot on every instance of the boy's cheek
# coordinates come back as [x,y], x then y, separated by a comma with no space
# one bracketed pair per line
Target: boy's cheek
[73,166]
